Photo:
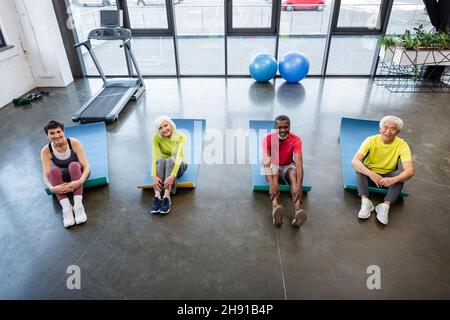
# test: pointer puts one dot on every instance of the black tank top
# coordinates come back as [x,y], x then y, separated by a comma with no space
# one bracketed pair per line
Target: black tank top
[63,164]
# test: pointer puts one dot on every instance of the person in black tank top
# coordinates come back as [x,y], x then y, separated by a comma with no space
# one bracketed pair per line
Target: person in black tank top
[65,170]
[63,163]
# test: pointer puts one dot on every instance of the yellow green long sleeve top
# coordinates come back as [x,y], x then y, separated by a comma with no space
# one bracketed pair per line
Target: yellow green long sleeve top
[168,147]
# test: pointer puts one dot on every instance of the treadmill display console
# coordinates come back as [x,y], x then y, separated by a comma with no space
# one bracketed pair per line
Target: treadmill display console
[109,32]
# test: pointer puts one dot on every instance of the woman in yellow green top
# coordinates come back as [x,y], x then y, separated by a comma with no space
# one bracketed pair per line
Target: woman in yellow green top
[376,162]
[167,162]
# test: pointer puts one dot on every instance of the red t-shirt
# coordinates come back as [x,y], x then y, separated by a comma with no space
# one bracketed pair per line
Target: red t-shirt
[283,155]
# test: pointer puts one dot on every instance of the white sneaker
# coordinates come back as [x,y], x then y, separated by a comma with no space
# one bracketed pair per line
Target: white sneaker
[299,218]
[382,213]
[80,214]
[366,209]
[68,219]
[277,215]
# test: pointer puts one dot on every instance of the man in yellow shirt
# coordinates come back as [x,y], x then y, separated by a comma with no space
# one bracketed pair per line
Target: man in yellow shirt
[377,159]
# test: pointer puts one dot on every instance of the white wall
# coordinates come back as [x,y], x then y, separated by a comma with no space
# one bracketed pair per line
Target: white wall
[38,58]
[15,72]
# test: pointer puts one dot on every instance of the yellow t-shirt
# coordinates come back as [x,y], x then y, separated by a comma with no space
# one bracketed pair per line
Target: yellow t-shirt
[383,158]
[168,147]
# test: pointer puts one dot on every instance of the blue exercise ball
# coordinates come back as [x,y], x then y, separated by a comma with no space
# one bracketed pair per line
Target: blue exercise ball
[263,67]
[294,66]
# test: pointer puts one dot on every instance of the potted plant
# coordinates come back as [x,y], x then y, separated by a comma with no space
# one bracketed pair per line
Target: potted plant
[442,43]
[388,44]
[422,48]
[406,53]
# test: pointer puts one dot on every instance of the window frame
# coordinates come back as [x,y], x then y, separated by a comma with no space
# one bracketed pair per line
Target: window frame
[253,31]
[274,30]
[335,30]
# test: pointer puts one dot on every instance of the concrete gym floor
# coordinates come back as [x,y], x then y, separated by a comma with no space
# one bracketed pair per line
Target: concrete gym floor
[218,242]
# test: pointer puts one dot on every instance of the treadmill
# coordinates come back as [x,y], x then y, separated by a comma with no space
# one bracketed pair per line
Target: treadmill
[106,104]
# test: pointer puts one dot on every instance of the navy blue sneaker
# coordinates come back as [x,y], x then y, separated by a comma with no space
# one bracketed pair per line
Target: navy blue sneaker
[165,206]
[156,205]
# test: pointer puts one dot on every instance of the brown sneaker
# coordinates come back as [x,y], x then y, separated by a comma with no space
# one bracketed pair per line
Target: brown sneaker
[277,215]
[299,218]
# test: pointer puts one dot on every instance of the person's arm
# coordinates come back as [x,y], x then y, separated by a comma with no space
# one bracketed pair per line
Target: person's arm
[270,177]
[298,159]
[170,180]
[78,149]
[156,154]
[179,156]
[407,173]
[46,165]
[408,169]
[359,166]
[265,157]
[266,163]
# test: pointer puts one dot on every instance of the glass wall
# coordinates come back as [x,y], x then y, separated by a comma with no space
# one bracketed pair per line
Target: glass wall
[360,13]
[200,37]
[351,55]
[242,49]
[110,57]
[154,55]
[219,37]
[356,29]
[408,14]
[147,14]
[304,28]
[252,13]
[85,17]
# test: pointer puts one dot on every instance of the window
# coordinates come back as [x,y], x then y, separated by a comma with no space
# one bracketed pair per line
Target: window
[408,15]
[2,40]
[219,37]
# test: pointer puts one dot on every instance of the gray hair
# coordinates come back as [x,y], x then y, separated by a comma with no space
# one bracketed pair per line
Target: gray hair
[392,119]
[159,121]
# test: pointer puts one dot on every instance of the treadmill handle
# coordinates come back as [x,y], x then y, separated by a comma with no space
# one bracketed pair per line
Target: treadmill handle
[126,42]
[84,43]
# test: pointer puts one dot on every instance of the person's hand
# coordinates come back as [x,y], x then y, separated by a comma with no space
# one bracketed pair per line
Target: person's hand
[273,192]
[266,161]
[157,183]
[74,185]
[61,189]
[387,182]
[298,194]
[169,181]
[376,178]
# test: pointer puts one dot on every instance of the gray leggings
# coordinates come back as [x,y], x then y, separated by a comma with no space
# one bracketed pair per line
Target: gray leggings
[164,168]
[394,190]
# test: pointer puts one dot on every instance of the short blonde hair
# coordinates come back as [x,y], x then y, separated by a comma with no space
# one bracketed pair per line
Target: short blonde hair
[393,119]
[159,121]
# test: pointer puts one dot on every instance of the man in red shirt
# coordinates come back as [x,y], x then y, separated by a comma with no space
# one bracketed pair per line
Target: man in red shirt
[282,160]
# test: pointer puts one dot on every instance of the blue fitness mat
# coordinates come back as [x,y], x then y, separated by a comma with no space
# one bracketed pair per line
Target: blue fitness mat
[353,133]
[259,182]
[194,129]
[94,140]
